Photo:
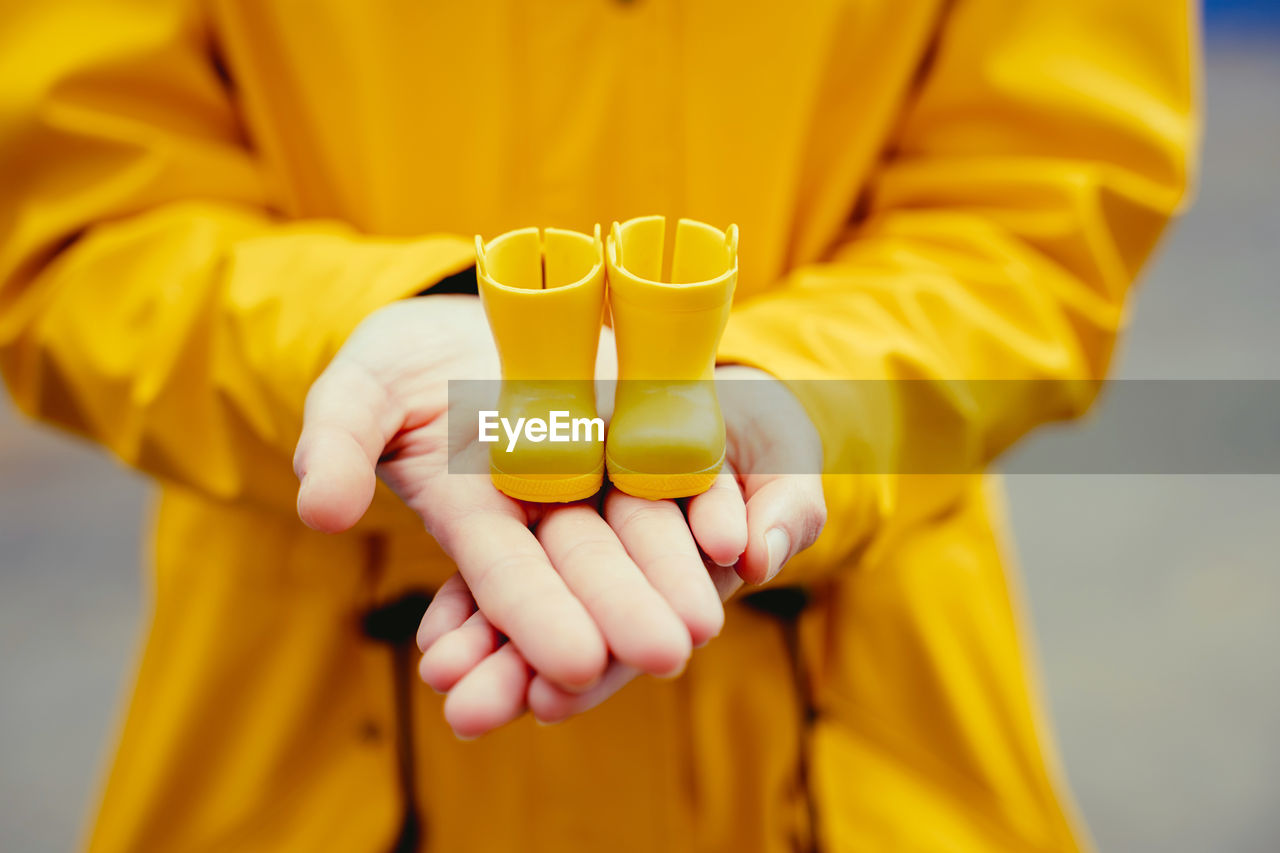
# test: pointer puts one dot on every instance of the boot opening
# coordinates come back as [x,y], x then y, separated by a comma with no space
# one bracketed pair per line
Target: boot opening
[695,253]
[541,259]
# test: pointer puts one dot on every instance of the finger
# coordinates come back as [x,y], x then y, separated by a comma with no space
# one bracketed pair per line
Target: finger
[449,608]
[347,422]
[522,596]
[725,579]
[785,514]
[458,652]
[657,537]
[551,704]
[718,519]
[490,695]
[638,624]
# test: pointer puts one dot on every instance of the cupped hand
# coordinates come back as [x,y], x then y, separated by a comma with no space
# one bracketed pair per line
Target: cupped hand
[773,459]
[569,590]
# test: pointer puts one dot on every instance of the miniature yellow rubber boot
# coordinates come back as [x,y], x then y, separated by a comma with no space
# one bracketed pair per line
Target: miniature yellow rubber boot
[543,293]
[667,438]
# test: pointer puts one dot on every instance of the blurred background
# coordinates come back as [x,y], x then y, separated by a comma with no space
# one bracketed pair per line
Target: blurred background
[1154,600]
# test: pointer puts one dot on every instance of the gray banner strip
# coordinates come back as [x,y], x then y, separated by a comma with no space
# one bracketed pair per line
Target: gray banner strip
[1133,427]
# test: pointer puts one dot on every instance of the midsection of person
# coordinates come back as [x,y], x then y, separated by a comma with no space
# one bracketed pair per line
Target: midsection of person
[411,118]
[263,713]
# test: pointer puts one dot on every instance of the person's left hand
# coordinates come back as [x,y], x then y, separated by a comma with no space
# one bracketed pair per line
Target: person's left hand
[772,461]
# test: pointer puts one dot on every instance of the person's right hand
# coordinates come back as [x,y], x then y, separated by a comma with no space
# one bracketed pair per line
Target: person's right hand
[567,594]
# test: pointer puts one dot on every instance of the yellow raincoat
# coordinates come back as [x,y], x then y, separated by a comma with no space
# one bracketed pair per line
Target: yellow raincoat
[199,201]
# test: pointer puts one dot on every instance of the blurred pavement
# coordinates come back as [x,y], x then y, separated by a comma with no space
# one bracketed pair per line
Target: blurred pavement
[1156,600]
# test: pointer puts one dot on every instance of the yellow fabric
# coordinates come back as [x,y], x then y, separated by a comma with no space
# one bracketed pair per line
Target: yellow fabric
[200,200]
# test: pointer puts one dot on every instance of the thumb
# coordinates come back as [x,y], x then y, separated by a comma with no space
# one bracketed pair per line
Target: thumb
[348,421]
[785,514]
[778,455]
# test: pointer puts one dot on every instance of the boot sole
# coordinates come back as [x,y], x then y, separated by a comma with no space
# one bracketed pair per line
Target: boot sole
[548,488]
[658,487]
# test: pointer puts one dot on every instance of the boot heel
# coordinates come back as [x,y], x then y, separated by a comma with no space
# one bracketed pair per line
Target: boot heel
[547,488]
[656,487]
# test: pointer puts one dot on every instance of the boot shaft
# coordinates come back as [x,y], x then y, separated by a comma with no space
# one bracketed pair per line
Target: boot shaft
[543,293]
[668,323]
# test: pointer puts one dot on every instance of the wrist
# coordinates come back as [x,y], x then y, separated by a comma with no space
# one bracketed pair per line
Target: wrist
[765,419]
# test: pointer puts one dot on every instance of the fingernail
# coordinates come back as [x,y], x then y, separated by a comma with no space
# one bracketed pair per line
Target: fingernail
[778,544]
[728,565]
[546,724]
[465,738]
[302,493]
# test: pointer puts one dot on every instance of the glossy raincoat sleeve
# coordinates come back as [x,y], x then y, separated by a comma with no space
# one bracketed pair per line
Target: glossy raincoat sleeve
[1039,156]
[148,298]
